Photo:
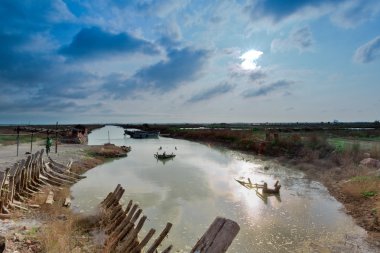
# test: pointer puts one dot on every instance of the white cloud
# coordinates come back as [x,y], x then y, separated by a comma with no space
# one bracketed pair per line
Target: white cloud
[300,39]
[368,52]
[350,14]
[249,59]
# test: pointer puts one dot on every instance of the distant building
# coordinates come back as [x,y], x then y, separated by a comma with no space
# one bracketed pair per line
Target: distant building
[77,135]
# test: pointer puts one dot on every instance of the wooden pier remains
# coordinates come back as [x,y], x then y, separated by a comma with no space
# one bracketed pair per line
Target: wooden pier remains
[120,227]
[27,177]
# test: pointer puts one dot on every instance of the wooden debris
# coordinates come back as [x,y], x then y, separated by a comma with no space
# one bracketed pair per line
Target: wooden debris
[120,225]
[27,177]
[67,202]
[34,205]
[50,198]
[123,232]
[218,237]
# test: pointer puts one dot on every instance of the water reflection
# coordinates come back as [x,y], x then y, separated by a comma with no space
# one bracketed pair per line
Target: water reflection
[163,161]
[198,185]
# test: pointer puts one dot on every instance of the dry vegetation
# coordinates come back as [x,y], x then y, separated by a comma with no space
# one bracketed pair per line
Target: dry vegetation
[65,231]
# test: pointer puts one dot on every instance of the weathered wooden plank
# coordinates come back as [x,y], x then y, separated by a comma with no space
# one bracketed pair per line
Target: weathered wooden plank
[218,236]
[67,202]
[50,198]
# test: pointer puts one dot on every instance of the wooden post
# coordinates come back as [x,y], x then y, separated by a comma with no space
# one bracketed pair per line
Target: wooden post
[18,138]
[31,143]
[276,138]
[218,236]
[267,136]
[158,241]
[56,137]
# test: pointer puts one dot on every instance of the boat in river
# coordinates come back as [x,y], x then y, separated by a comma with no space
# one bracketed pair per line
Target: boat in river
[138,134]
[164,156]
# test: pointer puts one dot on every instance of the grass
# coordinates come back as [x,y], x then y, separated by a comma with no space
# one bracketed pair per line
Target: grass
[362,186]
[369,194]
[364,178]
[12,139]
[64,229]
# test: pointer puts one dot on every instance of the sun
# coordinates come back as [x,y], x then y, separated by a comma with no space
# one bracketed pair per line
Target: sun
[249,59]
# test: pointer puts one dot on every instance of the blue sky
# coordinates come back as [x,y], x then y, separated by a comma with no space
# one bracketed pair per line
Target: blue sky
[173,61]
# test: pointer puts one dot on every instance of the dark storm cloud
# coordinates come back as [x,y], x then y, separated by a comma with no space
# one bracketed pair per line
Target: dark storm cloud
[266,90]
[30,15]
[18,67]
[212,92]
[93,42]
[278,10]
[181,66]
[345,13]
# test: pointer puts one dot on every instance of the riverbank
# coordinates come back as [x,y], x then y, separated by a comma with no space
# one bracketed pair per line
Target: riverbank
[45,227]
[354,183]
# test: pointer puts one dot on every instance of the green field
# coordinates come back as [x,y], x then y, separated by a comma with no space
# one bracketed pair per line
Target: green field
[12,139]
[365,144]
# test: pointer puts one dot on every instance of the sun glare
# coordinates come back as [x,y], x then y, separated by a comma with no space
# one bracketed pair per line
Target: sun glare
[249,59]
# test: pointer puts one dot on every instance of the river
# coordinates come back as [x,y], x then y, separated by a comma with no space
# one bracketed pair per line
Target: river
[199,184]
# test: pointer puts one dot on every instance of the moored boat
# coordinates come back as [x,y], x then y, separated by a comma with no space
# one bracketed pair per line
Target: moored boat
[164,156]
[142,134]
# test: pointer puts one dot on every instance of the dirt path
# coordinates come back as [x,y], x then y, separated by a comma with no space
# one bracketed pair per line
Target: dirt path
[66,152]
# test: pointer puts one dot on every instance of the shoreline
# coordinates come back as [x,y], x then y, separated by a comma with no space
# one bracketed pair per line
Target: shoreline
[360,209]
[84,159]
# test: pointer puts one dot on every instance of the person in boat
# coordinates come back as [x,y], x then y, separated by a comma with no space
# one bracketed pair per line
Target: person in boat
[276,189]
[164,153]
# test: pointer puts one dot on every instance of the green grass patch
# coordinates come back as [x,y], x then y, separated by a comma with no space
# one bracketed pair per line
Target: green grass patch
[12,139]
[364,178]
[368,194]
[33,231]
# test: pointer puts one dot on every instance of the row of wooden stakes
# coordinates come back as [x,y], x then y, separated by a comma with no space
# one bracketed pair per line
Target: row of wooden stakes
[119,226]
[122,232]
[27,177]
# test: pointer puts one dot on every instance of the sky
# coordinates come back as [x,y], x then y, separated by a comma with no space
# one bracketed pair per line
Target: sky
[195,61]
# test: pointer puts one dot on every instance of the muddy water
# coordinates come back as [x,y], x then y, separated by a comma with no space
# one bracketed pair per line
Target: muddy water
[198,185]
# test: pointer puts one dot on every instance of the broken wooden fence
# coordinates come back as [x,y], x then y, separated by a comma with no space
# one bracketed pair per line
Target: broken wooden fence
[27,177]
[120,226]
[122,232]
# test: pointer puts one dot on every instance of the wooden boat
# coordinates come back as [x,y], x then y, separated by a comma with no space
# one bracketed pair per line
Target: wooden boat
[248,184]
[164,156]
[264,187]
[142,134]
